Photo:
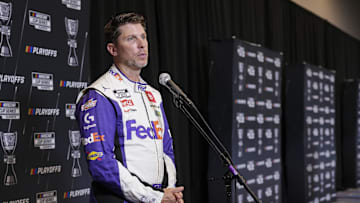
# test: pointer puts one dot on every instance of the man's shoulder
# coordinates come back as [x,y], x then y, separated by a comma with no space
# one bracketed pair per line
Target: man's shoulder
[104,79]
[103,86]
[152,89]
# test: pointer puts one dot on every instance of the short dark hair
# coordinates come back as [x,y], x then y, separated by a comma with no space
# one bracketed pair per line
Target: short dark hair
[111,30]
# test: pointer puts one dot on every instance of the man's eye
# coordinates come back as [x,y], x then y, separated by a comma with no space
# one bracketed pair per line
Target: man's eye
[130,38]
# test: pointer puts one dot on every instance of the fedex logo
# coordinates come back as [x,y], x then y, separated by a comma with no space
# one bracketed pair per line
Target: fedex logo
[94,137]
[142,132]
[141,87]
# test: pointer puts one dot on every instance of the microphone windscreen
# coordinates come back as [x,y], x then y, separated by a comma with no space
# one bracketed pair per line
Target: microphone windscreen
[163,78]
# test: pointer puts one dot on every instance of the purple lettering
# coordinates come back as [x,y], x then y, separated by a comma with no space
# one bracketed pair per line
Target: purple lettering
[130,128]
[141,132]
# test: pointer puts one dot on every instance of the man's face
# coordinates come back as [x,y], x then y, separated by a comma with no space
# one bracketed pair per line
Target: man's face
[132,46]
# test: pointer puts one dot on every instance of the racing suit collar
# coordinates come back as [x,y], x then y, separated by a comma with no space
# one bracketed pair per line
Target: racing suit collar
[138,86]
[116,69]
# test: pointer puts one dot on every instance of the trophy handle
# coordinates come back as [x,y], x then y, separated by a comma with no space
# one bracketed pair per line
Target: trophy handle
[15,142]
[66,26]
[8,43]
[68,153]
[10,12]
[79,167]
[1,141]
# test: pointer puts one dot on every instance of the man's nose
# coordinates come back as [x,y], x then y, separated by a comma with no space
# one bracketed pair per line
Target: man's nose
[142,43]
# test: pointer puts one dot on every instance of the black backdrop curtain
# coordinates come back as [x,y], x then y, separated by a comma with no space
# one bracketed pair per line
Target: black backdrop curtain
[179,33]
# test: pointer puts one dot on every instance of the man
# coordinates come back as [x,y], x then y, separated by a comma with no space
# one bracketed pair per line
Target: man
[123,125]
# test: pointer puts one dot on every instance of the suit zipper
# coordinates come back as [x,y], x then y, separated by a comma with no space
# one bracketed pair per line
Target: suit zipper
[152,130]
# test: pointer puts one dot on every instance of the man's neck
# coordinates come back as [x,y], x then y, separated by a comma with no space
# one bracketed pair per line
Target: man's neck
[132,74]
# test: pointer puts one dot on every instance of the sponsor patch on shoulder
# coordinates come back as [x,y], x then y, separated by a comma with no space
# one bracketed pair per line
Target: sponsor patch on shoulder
[91,103]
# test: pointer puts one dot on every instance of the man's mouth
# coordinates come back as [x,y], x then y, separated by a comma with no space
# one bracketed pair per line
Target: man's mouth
[142,55]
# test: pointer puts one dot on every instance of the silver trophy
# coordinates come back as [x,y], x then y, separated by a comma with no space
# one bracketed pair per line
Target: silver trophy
[5,20]
[72,27]
[75,141]
[8,143]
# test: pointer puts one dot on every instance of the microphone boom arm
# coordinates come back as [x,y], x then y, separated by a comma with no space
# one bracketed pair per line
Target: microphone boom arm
[213,141]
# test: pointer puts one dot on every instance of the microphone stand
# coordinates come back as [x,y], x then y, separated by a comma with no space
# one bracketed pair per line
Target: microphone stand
[215,143]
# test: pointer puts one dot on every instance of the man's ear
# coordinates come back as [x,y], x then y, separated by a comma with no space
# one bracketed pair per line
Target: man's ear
[112,49]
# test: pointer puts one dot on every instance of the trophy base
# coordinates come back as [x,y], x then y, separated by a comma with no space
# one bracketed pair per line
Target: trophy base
[10,180]
[72,61]
[9,159]
[5,52]
[76,172]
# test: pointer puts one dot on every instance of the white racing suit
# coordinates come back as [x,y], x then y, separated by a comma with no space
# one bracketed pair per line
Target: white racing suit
[126,139]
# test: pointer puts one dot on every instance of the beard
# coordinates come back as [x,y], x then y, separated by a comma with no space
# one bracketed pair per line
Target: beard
[137,64]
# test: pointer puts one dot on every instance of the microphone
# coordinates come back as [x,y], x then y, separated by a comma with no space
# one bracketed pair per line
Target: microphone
[165,80]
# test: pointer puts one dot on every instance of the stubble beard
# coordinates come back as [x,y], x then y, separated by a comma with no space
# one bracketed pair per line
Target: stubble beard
[136,65]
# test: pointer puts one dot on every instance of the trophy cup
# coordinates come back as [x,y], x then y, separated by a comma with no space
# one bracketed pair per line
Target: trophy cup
[72,30]
[8,143]
[5,15]
[75,141]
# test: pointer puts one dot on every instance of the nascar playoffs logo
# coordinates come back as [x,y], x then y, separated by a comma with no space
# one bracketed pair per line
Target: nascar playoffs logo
[70,111]
[43,112]
[73,4]
[77,193]
[44,140]
[46,170]
[9,110]
[13,79]
[41,51]
[40,21]
[46,197]
[73,84]
[23,200]
[42,81]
